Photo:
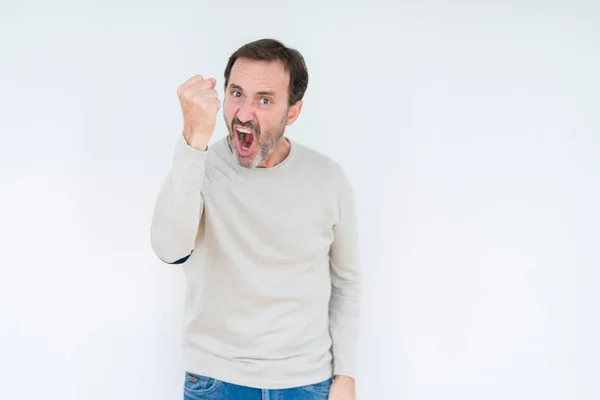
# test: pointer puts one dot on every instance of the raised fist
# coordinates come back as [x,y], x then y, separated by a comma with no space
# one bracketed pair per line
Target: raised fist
[200,104]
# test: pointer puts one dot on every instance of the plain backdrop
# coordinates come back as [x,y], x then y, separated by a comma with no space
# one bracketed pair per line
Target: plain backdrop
[471,133]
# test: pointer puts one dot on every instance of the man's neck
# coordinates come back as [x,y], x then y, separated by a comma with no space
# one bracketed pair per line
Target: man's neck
[280,153]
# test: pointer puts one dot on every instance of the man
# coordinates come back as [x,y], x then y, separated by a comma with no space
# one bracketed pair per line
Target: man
[266,232]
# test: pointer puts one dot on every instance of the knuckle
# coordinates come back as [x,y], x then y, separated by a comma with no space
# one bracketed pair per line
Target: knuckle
[194,79]
[187,94]
[205,105]
[203,84]
[197,99]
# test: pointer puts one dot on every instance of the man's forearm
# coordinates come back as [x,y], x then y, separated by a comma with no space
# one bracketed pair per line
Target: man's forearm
[178,206]
[344,305]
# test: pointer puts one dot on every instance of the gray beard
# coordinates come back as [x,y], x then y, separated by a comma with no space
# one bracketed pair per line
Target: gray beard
[264,149]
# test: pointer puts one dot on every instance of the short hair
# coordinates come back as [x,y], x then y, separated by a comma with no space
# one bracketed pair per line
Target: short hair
[274,50]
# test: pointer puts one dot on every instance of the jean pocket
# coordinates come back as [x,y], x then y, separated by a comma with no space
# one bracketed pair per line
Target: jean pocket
[321,388]
[199,385]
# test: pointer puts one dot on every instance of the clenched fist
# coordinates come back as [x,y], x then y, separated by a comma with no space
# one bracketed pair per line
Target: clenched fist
[200,104]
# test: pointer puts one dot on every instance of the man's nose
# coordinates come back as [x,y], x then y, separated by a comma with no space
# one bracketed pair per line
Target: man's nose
[246,111]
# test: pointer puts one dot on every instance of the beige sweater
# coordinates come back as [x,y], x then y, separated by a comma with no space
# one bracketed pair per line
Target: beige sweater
[271,264]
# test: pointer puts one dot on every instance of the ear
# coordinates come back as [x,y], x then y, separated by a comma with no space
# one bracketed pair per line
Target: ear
[294,112]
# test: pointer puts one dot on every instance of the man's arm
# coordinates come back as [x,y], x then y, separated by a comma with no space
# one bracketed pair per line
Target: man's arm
[346,286]
[179,205]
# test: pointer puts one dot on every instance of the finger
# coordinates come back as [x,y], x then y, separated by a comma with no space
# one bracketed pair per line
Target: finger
[203,84]
[207,103]
[193,79]
[185,85]
[210,93]
[214,103]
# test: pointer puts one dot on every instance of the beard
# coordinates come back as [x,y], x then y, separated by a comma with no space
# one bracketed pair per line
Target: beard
[266,142]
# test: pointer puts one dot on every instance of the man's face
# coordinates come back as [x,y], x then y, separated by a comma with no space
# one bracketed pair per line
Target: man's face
[256,109]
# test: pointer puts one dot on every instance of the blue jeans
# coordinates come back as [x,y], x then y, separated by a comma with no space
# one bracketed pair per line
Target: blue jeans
[198,387]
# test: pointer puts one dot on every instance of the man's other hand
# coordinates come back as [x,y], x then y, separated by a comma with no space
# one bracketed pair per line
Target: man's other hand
[342,388]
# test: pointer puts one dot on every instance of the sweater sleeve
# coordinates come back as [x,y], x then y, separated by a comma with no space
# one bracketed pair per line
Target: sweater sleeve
[179,205]
[344,304]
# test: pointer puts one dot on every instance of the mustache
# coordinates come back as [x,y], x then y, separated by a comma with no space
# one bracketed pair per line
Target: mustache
[249,124]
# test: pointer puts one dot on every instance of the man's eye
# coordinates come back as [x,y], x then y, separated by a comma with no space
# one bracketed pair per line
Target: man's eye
[236,94]
[264,100]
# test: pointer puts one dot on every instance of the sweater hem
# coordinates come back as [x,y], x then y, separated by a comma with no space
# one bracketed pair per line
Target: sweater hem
[232,372]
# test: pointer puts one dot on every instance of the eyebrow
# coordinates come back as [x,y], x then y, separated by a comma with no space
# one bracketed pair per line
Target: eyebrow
[262,93]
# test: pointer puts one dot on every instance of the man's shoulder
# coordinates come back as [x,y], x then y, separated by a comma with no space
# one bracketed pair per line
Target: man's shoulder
[318,161]
[324,172]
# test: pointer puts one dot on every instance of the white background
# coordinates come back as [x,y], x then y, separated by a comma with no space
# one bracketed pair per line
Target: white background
[471,132]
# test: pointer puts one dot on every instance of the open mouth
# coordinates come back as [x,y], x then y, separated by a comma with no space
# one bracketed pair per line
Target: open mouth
[245,138]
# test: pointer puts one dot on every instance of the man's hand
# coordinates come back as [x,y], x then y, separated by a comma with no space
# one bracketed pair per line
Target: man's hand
[199,104]
[342,388]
